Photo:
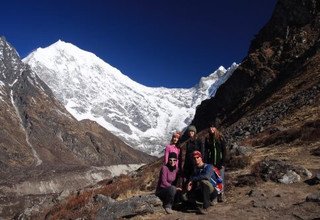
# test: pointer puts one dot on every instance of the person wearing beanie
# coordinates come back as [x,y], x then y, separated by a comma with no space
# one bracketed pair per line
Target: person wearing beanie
[166,188]
[174,146]
[192,128]
[191,145]
[202,183]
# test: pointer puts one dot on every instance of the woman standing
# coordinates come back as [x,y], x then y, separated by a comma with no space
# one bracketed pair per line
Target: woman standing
[215,151]
[173,147]
[191,145]
[166,189]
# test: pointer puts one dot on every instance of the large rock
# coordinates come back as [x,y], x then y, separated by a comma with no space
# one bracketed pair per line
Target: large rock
[138,205]
[281,171]
[314,197]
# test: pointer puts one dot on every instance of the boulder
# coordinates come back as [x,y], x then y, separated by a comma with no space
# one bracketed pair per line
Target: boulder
[138,205]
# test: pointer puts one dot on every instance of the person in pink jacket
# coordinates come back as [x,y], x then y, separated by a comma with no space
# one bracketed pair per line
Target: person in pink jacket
[173,147]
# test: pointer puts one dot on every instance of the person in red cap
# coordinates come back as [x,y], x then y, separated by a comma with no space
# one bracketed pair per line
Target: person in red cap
[202,183]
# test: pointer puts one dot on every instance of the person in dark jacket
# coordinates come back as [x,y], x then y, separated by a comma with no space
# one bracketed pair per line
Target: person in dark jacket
[166,189]
[202,183]
[191,145]
[215,151]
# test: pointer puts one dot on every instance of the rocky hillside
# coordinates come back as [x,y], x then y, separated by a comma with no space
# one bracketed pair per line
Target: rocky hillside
[278,77]
[270,114]
[41,143]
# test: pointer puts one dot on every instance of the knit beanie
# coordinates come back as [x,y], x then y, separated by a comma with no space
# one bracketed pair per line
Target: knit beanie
[173,155]
[192,128]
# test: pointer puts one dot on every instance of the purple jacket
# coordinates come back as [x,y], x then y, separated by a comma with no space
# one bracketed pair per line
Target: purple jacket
[166,177]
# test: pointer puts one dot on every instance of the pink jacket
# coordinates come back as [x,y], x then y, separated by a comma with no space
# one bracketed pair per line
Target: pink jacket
[171,148]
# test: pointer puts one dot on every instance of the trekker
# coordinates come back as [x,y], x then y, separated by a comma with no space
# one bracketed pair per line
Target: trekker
[192,144]
[173,147]
[202,183]
[215,151]
[166,189]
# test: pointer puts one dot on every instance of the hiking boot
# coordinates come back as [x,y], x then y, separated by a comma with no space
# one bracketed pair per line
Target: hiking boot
[184,197]
[168,210]
[203,211]
[213,202]
[220,197]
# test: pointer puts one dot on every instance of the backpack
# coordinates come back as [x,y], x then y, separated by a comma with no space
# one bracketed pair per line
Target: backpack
[216,180]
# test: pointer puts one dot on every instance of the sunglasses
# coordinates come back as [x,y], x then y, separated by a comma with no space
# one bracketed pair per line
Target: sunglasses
[196,158]
[172,160]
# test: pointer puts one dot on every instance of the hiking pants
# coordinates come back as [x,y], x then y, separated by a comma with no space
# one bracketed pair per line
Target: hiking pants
[167,195]
[204,191]
[222,171]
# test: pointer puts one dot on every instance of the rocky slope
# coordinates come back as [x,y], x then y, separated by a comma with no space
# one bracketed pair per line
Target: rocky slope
[278,76]
[43,148]
[269,112]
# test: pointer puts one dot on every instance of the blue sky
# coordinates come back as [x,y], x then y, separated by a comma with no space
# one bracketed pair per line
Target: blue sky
[170,43]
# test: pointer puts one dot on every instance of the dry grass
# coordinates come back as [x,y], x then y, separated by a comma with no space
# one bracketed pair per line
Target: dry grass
[71,208]
[83,204]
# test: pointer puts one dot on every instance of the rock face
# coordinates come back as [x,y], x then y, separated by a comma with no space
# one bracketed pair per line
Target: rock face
[279,76]
[37,130]
[40,140]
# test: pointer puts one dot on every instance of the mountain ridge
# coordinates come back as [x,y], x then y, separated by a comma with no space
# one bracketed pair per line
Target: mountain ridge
[90,88]
[44,150]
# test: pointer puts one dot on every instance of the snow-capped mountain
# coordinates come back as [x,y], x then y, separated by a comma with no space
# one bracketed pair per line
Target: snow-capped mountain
[144,117]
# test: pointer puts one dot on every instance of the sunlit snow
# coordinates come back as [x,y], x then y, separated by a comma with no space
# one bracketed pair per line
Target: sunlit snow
[144,117]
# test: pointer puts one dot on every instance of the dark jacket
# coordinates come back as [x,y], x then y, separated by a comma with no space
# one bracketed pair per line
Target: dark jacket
[202,173]
[187,159]
[207,172]
[215,151]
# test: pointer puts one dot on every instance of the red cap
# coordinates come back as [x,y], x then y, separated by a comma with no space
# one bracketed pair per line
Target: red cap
[197,154]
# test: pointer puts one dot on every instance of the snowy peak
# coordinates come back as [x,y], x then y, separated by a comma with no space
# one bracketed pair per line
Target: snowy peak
[38,130]
[69,58]
[90,88]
